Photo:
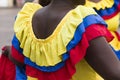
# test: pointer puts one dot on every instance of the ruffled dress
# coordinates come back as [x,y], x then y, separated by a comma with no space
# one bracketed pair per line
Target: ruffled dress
[61,55]
[109,10]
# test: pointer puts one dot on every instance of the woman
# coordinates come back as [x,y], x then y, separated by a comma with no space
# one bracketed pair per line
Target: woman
[56,42]
[109,10]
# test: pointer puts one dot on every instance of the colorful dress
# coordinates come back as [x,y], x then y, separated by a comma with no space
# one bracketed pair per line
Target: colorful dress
[109,10]
[61,55]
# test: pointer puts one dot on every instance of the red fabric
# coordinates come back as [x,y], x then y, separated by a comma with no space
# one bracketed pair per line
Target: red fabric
[17,56]
[76,54]
[97,30]
[7,69]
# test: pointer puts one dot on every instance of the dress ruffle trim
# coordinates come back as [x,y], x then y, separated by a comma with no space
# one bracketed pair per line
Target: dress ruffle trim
[76,55]
[100,5]
[66,72]
[108,13]
[47,52]
[89,20]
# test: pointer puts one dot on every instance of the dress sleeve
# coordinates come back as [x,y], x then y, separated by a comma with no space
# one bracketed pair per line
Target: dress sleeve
[97,30]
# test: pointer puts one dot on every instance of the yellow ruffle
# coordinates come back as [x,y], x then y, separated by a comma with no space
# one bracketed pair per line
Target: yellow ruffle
[100,5]
[83,69]
[115,43]
[47,52]
[115,20]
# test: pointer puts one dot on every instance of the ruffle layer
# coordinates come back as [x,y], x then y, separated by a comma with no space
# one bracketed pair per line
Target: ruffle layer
[47,52]
[100,5]
[89,20]
[76,54]
[109,13]
[76,39]
[17,55]
[66,72]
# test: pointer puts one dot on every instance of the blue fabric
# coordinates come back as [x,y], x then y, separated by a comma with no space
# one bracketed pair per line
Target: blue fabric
[117,52]
[16,44]
[109,11]
[88,20]
[44,68]
[20,73]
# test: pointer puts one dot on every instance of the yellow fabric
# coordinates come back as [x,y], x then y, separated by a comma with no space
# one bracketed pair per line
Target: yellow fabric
[113,23]
[85,72]
[47,52]
[31,78]
[100,5]
[115,43]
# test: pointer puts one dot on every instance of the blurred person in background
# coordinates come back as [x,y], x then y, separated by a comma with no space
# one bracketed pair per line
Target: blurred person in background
[29,1]
[109,10]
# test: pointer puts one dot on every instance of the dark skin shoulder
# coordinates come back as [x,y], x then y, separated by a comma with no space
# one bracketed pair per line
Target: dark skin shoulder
[102,59]
[45,20]
[42,24]
[96,1]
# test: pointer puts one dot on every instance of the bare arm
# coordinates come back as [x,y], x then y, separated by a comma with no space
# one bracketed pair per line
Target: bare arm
[103,60]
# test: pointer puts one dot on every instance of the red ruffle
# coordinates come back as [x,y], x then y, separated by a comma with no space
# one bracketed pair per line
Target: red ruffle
[7,69]
[112,15]
[66,72]
[17,56]
[97,30]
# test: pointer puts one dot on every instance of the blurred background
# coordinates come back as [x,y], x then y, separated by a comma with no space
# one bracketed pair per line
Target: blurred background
[13,3]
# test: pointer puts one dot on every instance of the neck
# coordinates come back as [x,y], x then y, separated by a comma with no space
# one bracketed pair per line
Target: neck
[62,3]
[96,1]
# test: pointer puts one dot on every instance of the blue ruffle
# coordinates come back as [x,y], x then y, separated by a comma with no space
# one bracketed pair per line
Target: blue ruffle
[109,11]
[16,44]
